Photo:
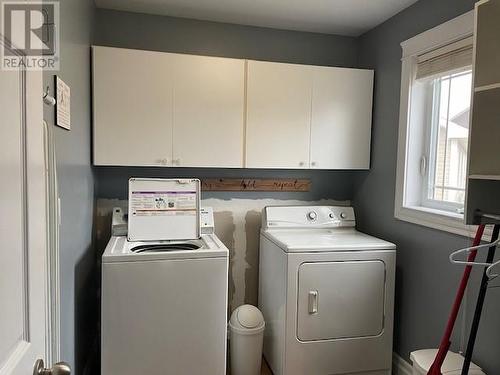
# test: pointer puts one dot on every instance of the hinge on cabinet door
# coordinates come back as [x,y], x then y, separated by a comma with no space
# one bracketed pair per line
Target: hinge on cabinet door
[423,165]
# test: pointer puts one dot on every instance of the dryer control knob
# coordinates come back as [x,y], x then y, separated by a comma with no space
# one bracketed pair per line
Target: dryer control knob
[312,215]
[343,215]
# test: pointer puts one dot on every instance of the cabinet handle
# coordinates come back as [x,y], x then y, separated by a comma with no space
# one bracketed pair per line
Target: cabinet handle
[313,163]
[313,302]
[301,164]
[176,161]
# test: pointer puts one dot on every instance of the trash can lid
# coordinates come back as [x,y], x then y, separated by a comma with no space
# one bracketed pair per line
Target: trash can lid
[247,316]
[452,365]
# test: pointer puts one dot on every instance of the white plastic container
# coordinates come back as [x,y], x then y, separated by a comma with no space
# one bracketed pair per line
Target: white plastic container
[423,359]
[246,328]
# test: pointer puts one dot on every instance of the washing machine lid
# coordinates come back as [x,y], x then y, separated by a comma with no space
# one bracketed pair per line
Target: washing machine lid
[321,240]
[163,209]
[119,249]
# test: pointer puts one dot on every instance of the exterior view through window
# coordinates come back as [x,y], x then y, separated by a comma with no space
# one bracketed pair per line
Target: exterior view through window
[448,141]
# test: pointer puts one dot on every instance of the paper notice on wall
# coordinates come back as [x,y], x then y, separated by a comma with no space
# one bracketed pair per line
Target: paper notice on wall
[163,203]
[63,104]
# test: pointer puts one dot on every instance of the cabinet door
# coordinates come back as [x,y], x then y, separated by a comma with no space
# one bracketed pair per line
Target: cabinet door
[208,111]
[132,107]
[341,118]
[487,61]
[278,115]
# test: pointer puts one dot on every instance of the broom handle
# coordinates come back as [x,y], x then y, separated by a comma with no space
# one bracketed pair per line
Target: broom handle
[435,369]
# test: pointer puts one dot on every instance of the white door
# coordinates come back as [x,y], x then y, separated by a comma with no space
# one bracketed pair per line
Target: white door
[341,118]
[22,230]
[208,111]
[132,107]
[278,115]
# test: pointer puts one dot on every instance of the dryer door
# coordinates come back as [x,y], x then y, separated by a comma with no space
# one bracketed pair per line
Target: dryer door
[339,300]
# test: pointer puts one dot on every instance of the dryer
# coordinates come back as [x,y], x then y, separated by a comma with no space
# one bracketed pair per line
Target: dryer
[164,288]
[326,291]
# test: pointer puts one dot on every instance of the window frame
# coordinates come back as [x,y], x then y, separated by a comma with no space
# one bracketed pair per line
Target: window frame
[459,28]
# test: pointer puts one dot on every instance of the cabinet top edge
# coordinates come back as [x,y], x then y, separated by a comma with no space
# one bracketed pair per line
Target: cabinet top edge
[96,47]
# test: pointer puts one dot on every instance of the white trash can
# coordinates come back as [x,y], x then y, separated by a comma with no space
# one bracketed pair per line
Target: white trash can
[452,365]
[246,328]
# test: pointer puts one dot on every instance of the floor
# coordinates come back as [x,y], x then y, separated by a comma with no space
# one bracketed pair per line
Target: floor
[264,370]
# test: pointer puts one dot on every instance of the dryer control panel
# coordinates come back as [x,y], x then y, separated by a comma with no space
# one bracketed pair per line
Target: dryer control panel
[308,217]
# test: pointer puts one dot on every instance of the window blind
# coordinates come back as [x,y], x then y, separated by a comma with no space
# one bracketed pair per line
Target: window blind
[450,58]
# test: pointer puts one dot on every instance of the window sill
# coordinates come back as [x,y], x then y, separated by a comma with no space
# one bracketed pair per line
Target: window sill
[437,219]
[436,211]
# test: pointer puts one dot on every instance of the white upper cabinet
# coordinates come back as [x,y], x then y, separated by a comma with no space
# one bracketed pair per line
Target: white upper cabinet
[175,110]
[278,115]
[132,106]
[208,111]
[341,118]
[153,108]
[301,116]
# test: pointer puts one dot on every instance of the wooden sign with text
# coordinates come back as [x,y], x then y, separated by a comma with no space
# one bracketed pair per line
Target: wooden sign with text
[255,184]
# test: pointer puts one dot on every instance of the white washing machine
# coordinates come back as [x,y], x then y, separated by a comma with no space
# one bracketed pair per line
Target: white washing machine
[326,292]
[164,301]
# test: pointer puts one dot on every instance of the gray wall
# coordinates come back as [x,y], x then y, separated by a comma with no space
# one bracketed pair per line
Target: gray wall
[112,182]
[142,31]
[426,281]
[160,33]
[76,186]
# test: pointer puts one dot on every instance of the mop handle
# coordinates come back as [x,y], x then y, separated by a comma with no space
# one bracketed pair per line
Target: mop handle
[435,369]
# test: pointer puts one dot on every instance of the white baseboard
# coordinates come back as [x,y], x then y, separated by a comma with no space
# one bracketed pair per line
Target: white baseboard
[400,366]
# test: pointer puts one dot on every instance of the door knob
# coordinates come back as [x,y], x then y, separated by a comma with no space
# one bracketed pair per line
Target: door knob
[60,368]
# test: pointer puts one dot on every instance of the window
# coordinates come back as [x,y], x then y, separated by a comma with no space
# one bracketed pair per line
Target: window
[446,142]
[436,86]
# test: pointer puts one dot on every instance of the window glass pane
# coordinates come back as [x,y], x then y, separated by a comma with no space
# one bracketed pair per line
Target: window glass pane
[451,130]
[457,136]
[440,143]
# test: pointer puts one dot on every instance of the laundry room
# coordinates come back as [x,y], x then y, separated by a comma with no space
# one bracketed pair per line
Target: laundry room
[237,187]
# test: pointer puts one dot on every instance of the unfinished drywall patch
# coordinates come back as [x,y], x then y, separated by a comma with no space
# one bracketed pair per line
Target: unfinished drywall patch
[225,228]
[244,250]
[252,229]
[237,224]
